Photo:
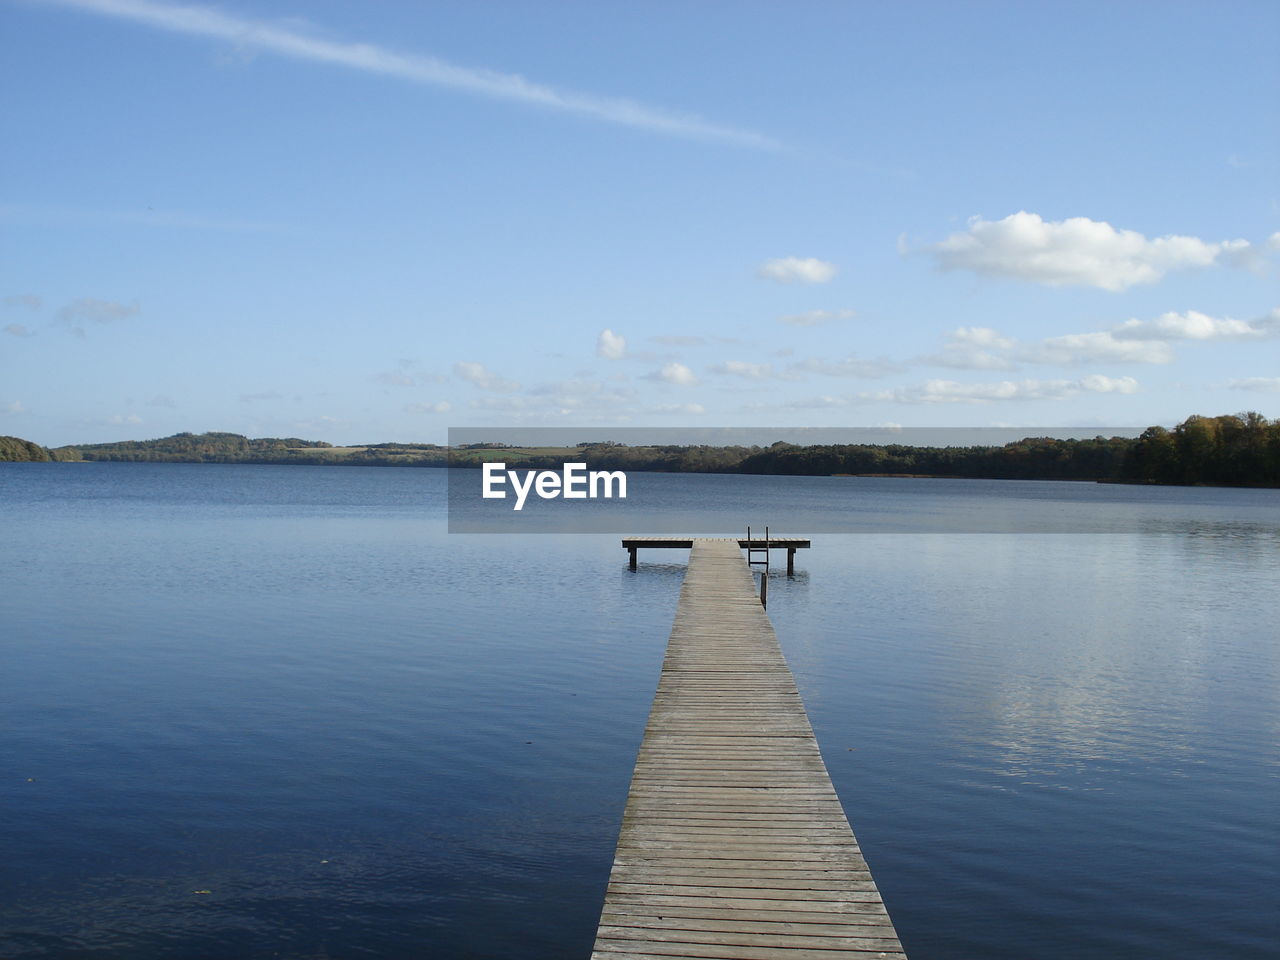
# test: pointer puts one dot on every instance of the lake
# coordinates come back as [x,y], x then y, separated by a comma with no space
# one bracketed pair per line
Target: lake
[281,712]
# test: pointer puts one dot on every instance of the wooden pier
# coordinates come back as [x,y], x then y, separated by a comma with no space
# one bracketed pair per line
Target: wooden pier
[733,843]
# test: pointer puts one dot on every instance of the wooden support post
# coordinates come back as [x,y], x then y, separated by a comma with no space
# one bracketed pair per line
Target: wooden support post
[791,561]
[632,551]
[764,586]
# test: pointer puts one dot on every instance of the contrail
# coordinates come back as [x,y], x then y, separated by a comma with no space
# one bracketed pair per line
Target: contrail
[431,71]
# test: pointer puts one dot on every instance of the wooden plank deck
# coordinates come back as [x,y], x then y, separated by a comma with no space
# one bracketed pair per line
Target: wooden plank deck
[790,544]
[733,842]
[793,543]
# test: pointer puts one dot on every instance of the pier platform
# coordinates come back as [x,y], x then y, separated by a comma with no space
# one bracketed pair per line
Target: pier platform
[755,544]
[733,842]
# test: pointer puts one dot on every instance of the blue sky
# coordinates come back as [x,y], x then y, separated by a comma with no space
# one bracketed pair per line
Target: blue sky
[372,221]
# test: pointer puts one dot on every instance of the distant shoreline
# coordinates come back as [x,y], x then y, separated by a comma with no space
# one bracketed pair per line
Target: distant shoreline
[1241,450]
[848,476]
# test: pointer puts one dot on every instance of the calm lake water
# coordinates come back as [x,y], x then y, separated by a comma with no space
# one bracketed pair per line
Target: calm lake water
[280,712]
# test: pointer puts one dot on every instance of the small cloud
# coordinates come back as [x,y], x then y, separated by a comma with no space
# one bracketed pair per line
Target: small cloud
[404,375]
[950,391]
[1194,325]
[974,348]
[1075,252]
[395,378]
[1259,384]
[28,300]
[610,345]
[678,409]
[440,406]
[319,423]
[797,270]
[18,330]
[14,406]
[848,367]
[824,403]
[264,395]
[121,419]
[161,400]
[507,404]
[1274,241]
[480,376]
[686,341]
[1099,347]
[673,372]
[816,318]
[98,311]
[741,368]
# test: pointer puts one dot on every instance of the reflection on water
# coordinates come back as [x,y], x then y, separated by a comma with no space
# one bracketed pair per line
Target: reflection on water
[289,687]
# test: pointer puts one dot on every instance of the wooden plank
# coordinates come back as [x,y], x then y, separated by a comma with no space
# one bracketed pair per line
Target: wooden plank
[733,843]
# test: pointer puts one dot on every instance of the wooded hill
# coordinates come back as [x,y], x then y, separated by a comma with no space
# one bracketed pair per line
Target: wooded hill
[17,450]
[234,448]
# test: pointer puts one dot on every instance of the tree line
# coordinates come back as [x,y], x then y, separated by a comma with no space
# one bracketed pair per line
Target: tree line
[1239,450]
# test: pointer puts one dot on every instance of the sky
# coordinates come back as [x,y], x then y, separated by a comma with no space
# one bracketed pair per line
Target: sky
[372,221]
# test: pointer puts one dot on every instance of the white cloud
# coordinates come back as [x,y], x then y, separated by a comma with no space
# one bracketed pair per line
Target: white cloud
[484,378]
[741,368]
[824,403]
[815,318]
[848,367]
[1097,383]
[679,409]
[440,406]
[974,348]
[610,345]
[679,341]
[1260,384]
[1135,341]
[577,391]
[1194,325]
[1274,241]
[99,311]
[582,399]
[395,378]
[507,404]
[674,372]
[950,391]
[18,330]
[1074,252]
[256,35]
[120,419]
[1098,347]
[797,270]
[404,375]
[264,395]
[15,406]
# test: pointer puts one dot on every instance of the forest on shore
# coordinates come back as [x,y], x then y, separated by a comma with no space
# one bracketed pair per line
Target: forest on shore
[1234,450]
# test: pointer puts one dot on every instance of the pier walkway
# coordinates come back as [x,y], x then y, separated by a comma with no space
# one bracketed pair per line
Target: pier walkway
[733,843]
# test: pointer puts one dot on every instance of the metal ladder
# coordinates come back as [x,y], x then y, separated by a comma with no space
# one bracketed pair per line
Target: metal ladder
[754,551]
